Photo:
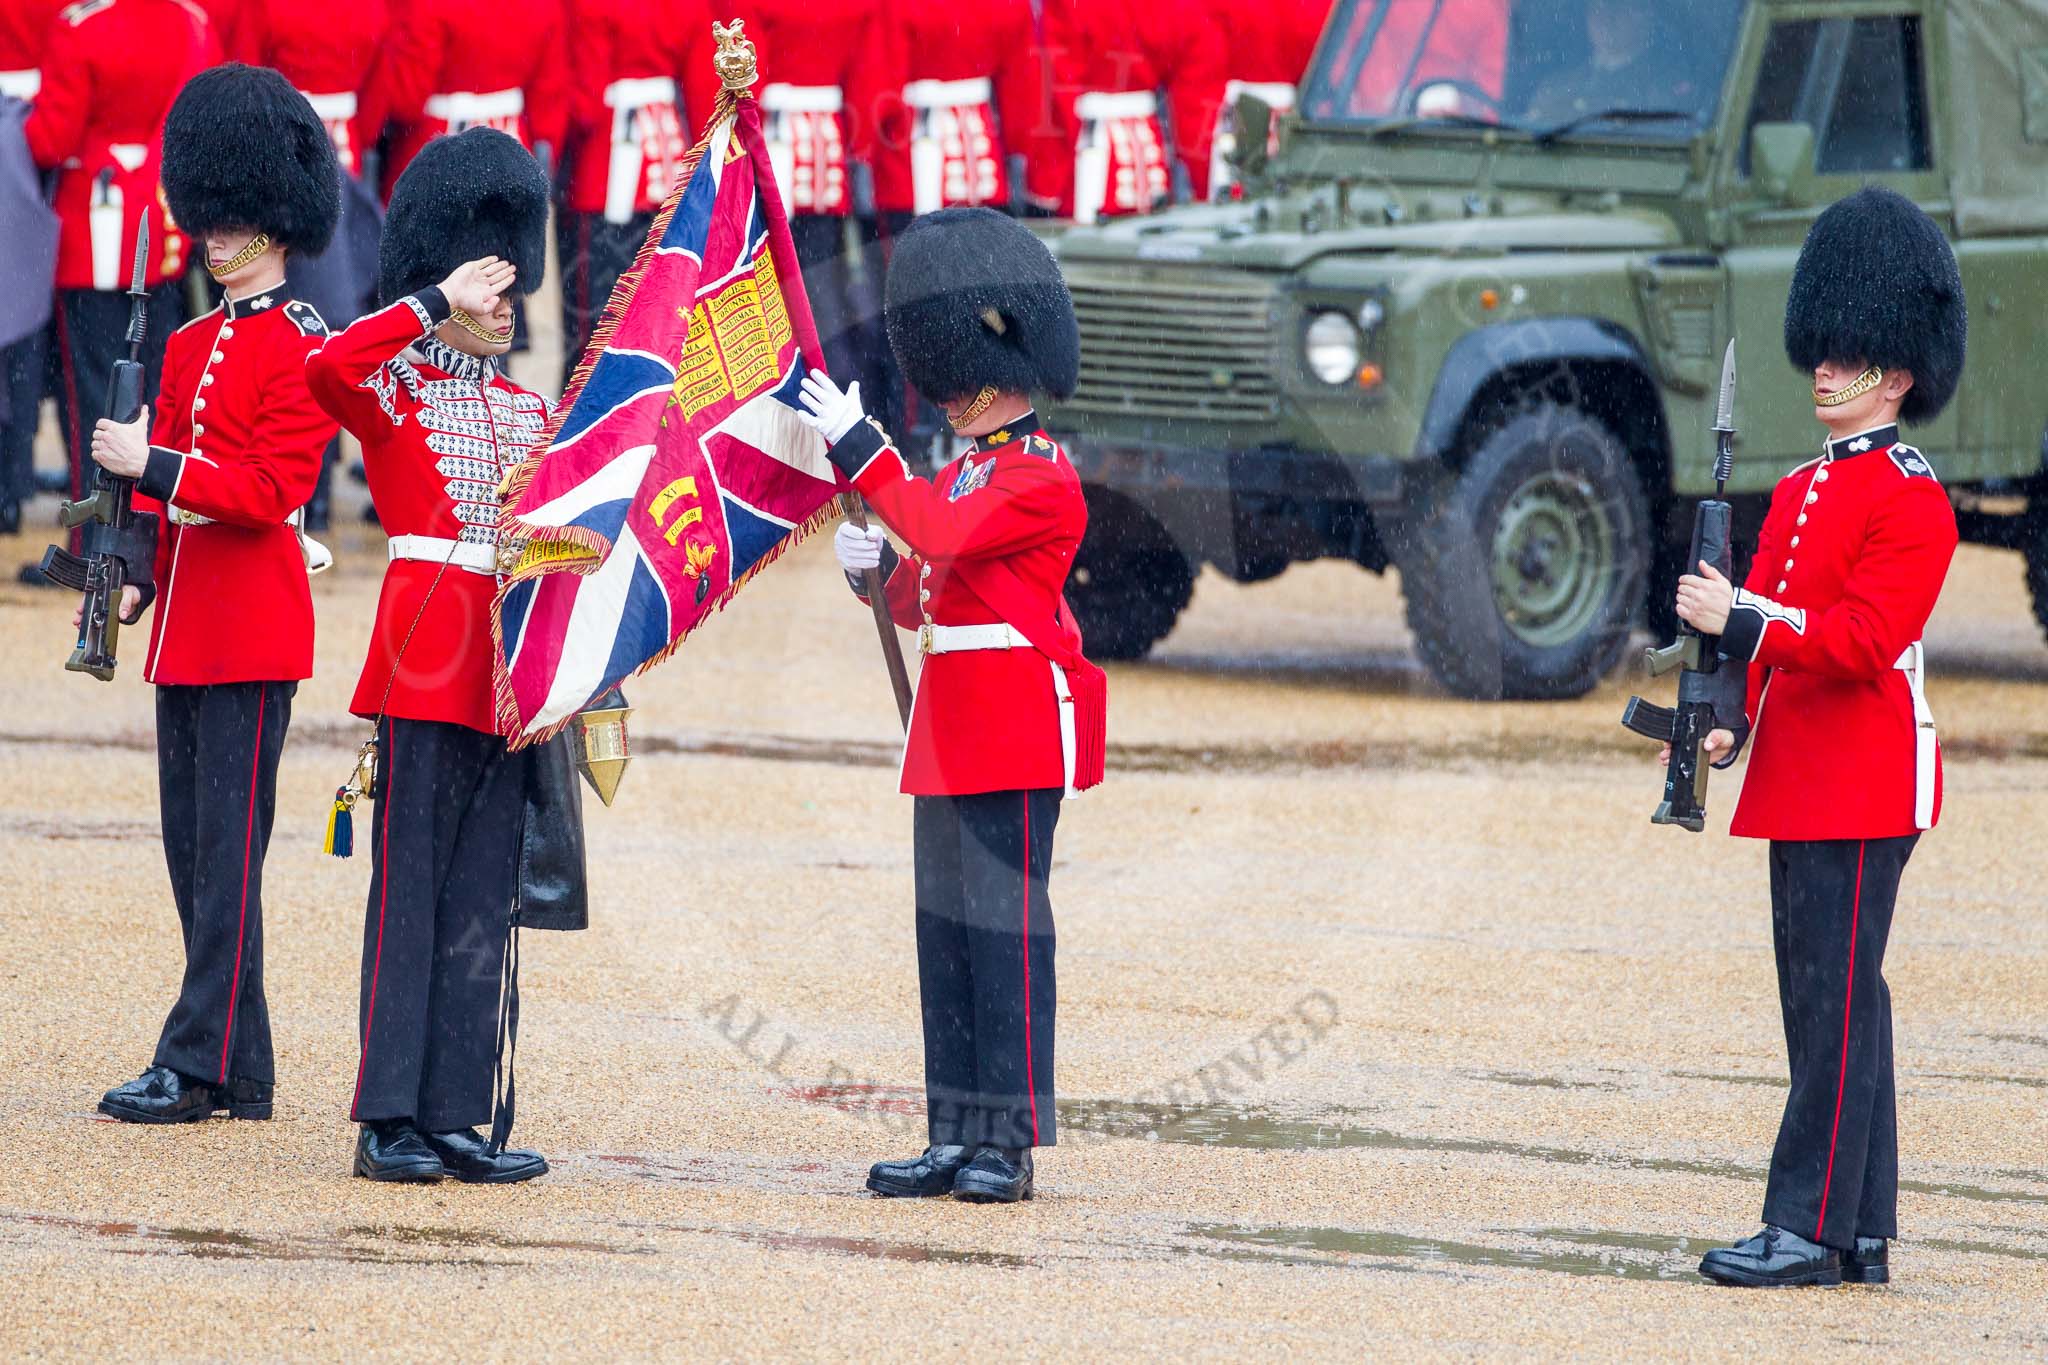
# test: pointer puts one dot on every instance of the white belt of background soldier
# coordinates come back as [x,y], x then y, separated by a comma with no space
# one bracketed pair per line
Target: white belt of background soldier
[1275,95]
[1913,663]
[927,157]
[626,168]
[936,639]
[466,109]
[22,85]
[317,556]
[1097,110]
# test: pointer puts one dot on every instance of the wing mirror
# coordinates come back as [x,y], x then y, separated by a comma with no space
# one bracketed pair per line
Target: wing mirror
[1781,162]
[1253,119]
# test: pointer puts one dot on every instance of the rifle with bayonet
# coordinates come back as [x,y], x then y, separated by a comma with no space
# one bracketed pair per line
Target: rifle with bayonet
[1711,691]
[120,543]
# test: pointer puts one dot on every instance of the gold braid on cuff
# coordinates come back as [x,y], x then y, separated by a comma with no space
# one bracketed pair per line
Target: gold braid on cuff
[977,407]
[1849,393]
[478,330]
[258,244]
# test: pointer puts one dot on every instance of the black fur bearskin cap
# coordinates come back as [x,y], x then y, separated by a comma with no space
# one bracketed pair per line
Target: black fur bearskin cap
[476,193]
[974,299]
[243,149]
[1877,283]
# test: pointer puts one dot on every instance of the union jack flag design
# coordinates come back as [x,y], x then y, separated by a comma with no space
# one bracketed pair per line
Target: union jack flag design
[678,465]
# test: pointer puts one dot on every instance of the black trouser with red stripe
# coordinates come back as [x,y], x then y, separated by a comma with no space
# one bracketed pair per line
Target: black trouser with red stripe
[216,754]
[444,852]
[1835,1171]
[985,966]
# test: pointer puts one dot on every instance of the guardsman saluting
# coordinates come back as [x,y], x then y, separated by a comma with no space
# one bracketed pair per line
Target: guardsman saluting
[1009,716]
[232,457]
[1844,773]
[419,384]
[109,75]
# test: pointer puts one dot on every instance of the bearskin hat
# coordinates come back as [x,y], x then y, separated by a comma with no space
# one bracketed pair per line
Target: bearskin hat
[473,194]
[243,149]
[1877,283]
[973,298]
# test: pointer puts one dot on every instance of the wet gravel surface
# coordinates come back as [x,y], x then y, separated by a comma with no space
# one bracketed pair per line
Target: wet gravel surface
[1388,1023]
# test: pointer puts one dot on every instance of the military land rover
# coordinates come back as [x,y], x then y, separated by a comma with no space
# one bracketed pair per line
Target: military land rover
[1467,318]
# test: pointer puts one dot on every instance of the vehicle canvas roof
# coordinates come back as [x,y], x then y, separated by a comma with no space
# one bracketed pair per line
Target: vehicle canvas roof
[1998,101]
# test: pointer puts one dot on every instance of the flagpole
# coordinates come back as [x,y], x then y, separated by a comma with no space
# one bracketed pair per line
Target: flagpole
[885,624]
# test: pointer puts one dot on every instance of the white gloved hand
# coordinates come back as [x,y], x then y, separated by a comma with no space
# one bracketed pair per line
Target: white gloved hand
[831,412]
[858,550]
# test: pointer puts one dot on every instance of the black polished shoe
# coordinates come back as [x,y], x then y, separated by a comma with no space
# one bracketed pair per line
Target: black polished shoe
[161,1095]
[394,1150]
[1773,1259]
[248,1099]
[466,1157]
[10,517]
[1869,1263]
[922,1177]
[997,1175]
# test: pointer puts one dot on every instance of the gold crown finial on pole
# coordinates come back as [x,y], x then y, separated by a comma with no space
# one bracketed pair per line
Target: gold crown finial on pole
[734,60]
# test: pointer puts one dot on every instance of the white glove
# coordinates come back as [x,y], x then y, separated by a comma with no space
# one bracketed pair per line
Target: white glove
[832,413]
[858,550]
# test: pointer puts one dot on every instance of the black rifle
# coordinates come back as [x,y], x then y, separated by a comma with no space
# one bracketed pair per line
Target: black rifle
[120,544]
[1711,692]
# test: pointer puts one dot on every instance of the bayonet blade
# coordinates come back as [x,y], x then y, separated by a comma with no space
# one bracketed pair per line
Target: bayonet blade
[1724,411]
[141,273]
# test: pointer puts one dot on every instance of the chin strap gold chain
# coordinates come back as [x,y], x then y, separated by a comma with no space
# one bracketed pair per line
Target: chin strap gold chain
[478,330]
[258,244]
[977,407]
[1862,384]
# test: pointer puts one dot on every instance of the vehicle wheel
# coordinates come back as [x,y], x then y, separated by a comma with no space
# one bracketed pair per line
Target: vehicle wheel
[1523,572]
[1130,582]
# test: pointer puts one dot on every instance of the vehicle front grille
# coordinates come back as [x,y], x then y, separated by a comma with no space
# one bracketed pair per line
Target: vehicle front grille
[1174,344]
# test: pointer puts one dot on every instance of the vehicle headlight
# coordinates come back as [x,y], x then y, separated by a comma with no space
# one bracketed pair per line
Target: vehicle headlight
[1332,346]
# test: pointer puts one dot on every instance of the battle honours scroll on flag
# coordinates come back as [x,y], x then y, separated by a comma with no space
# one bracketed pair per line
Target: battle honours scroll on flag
[676,465]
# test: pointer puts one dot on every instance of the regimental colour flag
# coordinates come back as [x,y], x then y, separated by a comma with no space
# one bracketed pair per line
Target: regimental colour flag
[678,465]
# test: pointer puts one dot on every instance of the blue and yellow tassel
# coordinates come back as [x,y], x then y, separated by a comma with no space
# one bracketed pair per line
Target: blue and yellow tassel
[341,825]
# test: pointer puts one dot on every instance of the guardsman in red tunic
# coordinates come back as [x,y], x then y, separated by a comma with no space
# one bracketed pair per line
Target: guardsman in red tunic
[831,71]
[24,33]
[327,51]
[448,65]
[1265,59]
[418,384]
[1844,772]
[645,89]
[1115,70]
[228,463]
[1009,716]
[108,77]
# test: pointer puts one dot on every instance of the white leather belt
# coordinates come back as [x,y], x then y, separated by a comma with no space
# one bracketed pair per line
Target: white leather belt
[178,516]
[959,94]
[23,85]
[1100,105]
[1913,663]
[1276,95]
[463,106]
[778,98]
[640,91]
[933,639]
[461,554]
[335,108]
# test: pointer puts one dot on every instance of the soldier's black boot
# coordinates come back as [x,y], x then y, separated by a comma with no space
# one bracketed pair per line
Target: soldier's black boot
[997,1175]
[922,1177]
[394,1150]
[1773,1259]
[466,1156]
[161,1095]
[1869,1263]
[248,1099]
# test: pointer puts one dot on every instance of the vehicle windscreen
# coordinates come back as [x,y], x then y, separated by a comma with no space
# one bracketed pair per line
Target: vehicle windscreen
[1532,65]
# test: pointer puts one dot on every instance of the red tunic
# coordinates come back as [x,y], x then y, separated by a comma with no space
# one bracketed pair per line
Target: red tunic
[962,137]
[813,54]
[439,430]
[623,53]
[1848,566]
[1266,59]
[1139,50]
[109,75]
[985,720]
[327,52]
[451,64]
[1414,45]
[235,450]
[24,34]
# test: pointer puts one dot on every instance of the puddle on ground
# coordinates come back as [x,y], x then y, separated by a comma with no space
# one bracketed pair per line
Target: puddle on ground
[354,1245]
[1976,1248]
[1544,1082]
[1729,1078]
[85,829]
[1626,1256]
[725,1171]
[866,1248]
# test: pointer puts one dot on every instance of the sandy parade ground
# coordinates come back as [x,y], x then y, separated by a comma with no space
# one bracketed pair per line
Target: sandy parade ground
[1388,1023]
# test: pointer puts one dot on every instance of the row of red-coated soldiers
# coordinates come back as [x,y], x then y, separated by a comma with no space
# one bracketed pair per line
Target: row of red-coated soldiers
[877,110]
